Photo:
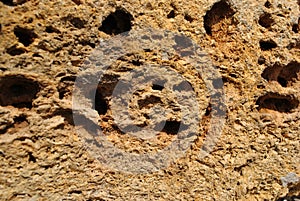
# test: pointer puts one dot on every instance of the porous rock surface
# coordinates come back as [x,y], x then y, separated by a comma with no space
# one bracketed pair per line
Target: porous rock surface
[253,44]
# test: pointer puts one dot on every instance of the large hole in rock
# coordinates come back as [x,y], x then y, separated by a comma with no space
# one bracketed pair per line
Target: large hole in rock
[284,75]
[117,22]
[218,12]
[277,102]
[267,44]
[18,91]
[25,36]
[289,74]
[266,20]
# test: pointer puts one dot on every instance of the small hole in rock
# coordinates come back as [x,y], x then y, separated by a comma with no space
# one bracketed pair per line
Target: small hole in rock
[20,119]
[87,42]
[14,50]
[31,158]
[117,22]
[75,192]
[171,14]
[208,110]
[25,36]
[261,60]
[260,86]
[266,20]
[18,91]
[157,87]
[268,4]
[296,27]
[171,127]
[188,18]
[218,12]
[77,22]
[100,104]
[51,29]
[267,45]
[277,102]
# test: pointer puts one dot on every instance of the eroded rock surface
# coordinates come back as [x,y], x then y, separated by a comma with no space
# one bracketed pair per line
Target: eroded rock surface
[254,45]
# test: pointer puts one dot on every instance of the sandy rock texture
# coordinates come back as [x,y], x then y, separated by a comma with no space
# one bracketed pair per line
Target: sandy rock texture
[254,45]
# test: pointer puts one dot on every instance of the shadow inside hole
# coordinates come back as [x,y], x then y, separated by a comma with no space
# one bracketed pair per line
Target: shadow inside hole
[289,74]
[188,18]
[18,91]
[277,102]
[296,27]
[267,45]
[14,50]
[31,158]
[77,22]
[117,22]
[173,127]
[266,20]
[284,75]
[157,87]
[100,103]
[25,36]
[218,12]
[171,14]
[268,4]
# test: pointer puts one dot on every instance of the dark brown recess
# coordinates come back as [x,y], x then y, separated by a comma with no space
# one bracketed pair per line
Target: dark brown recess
[218,12]
[277,102]
[26,36]
[117,22]
[267,45]
[284,75]
[266,20]
[18,91]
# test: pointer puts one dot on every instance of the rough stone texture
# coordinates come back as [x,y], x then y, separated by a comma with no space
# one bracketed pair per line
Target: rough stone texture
[255,46]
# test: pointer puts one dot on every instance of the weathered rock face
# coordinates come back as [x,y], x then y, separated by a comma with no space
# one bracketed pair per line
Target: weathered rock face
[46,45]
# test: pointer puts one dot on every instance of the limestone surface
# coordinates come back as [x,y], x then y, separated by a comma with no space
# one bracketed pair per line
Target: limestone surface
[181,132]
